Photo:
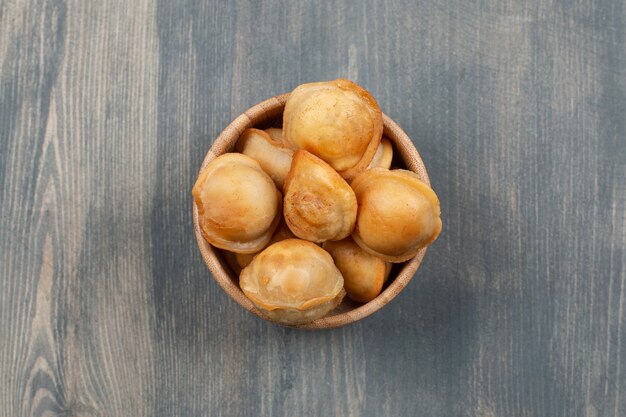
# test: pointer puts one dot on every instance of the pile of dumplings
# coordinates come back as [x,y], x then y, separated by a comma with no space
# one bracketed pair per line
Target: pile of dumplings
[313,211]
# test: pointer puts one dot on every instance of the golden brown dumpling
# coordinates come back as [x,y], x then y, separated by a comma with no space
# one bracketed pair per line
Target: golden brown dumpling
[282,232]
[274,158]
[293,282]
[383,156]
[238,204]
[338,121]
[319,205]
[363,274]
[276,133]
[398,214]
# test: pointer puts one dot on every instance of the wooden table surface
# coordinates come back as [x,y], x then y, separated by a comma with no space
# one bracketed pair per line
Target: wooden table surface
[108,107]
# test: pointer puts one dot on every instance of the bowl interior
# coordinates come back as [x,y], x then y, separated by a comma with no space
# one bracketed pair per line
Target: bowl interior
[269,114]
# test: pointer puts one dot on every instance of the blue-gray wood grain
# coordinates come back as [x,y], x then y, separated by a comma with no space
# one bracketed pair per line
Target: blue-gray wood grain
[107,109]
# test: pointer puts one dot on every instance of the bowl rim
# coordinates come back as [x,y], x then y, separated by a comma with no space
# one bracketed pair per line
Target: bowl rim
[225,142]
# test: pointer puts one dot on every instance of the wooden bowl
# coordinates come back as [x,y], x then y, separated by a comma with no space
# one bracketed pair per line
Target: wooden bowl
[262,115]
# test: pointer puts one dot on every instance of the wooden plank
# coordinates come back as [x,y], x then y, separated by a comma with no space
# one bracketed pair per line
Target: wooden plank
[77,177]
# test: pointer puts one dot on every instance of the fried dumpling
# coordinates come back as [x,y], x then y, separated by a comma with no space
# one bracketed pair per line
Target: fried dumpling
[319,205]
[293,282]
[282,232]
[363,274]
[276,133]
[398,214]
[274,158]
[338,121]
[238,204]
[383,156]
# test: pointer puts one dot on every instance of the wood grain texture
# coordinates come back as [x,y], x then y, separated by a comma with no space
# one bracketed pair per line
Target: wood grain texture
[107,109]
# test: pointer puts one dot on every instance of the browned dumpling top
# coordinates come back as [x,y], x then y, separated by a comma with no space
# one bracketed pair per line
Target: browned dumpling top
[293,281]
[274,157]
[398,214]
[338,121]
[238,204]
[319,205]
